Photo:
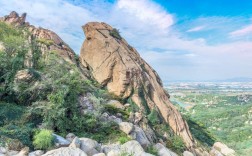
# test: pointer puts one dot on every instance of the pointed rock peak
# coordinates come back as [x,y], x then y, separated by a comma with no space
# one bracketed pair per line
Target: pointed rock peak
[14,19]
[118,66]
[13,14]
[47,40]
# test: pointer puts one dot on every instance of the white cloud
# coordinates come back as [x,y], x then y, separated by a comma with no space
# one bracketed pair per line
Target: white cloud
[147,12]
[146,26]
[199,28]
[242,32]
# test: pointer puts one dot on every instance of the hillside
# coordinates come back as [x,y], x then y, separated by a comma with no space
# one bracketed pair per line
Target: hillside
[109,97]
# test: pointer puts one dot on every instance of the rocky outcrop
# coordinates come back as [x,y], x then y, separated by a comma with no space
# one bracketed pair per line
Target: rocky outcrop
[118,66]
[48,40]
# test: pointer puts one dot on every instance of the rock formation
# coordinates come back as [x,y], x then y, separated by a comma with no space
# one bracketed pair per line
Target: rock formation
[118,67]
[48,40]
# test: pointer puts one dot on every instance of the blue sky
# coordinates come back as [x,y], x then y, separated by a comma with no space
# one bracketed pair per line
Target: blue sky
[181,39]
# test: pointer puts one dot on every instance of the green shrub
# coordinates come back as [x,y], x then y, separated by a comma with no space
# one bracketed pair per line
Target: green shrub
[176,144]
[46,42]
[115,33]
[43,139]
[152,150]
[133,106]
[123,139]
[153,117]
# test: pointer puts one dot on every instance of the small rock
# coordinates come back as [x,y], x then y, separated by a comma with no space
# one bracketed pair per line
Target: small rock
[114,153]
[119,115]
[89,146]
[141,137]
[3,150]
[126,105]
[187,153]
[36,153]
[60,141]
[70,137]
[126,127]
[163,151]
[23,75]
[138,117]
[107,148]
[99,154]
[132,147]
[76,143]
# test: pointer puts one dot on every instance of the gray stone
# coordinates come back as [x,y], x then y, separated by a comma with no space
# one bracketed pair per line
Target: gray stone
[99,154]
[140,137]
[60,141]
[3,150]
[107,148]
[76,143]
[132,147]
[187,153]
[66,151]
[70,137]
[126,127]
[114,153]
[163,151]
[36,153]
[89,146]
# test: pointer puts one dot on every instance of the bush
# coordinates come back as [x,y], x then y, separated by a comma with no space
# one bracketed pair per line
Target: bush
[153,117]
[43,139]
[123,139]
[46,42]
[115,33]
[176,144]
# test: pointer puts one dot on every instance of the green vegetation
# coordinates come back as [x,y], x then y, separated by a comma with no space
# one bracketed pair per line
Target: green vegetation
[133,106]
[215,114]
[123,139]
[46,42]
[43,139]
[48,96]
[152,150]
[176,144]
[113,110]
[153,117]
[115,33]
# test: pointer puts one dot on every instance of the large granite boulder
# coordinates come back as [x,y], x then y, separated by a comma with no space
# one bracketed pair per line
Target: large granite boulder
[117,66]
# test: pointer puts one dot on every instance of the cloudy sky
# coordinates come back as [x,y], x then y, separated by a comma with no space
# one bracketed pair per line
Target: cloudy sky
[181,39]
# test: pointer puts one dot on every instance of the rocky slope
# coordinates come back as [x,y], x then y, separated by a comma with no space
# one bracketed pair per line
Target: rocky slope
[119,67]
[63,95]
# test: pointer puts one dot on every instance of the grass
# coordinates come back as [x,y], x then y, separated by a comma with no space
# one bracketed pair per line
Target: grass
[123,139]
